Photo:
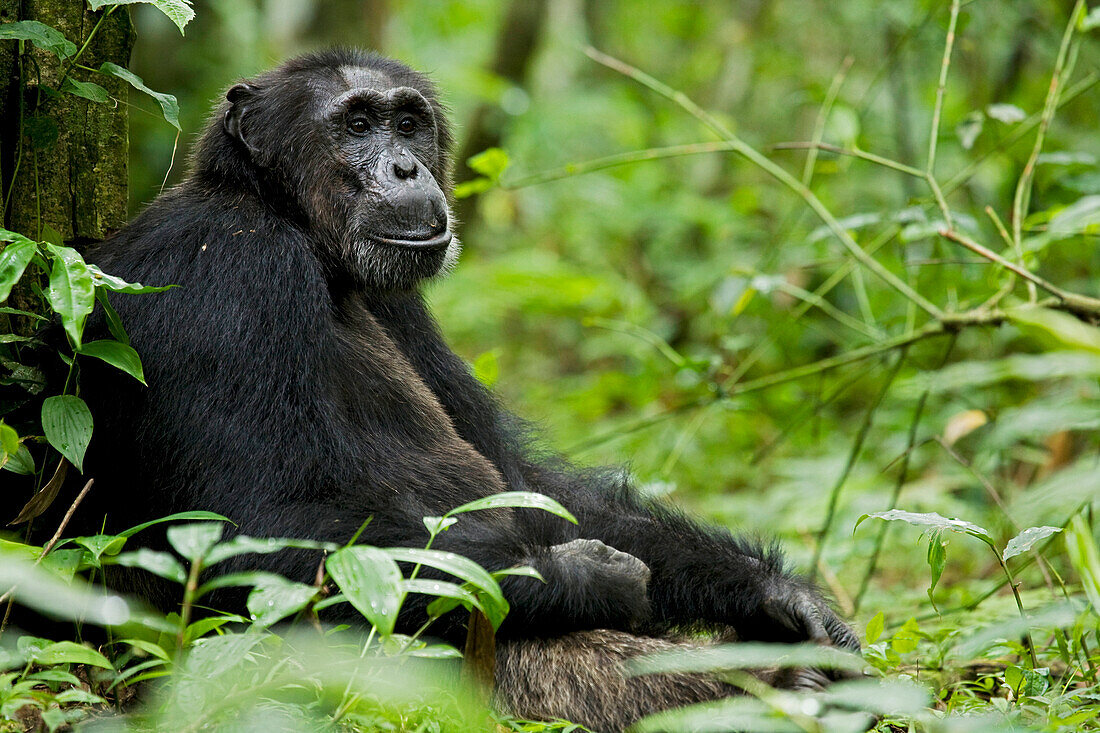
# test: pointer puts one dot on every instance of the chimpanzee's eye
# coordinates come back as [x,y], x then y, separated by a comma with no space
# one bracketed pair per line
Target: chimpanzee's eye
[358,125]
[406,125]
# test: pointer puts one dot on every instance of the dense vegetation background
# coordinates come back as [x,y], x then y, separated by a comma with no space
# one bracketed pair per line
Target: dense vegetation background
[658,311]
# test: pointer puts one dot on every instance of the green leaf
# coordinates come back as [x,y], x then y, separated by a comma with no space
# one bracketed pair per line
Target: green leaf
[490,163]
[193,541]
[520,499]
[371,581]
[1090,21]
[9,439]
[931,519]
[168,105]
[117,355]
[178,11]
[69,652]
[1024,541]
[114,323]
[116,284]
[14,259]
[435,525]
[71,292]
[523,571]
[275,598]
[487,367]
[747,655]
[484,585]
[875,628]
[937,559]
[101,544]
[177,517]
[161,564]
[243,545]
[85,89]
[22,462]
[449,595]
[67,422]
[1063,327]
[41,35]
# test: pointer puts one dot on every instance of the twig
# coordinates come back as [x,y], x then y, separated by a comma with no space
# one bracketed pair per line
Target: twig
[853,153]
[612,161]
[823,117]
[853,456]
[1074,301]
[937,110]
[7,596]
[1022,198]
[752,155]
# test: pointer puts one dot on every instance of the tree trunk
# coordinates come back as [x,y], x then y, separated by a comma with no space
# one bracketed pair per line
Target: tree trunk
[67,172]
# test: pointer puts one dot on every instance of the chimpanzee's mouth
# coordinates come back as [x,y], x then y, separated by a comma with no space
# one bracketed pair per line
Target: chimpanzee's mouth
[433,240]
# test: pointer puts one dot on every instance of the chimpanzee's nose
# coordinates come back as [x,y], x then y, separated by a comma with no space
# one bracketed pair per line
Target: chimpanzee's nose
[404,167]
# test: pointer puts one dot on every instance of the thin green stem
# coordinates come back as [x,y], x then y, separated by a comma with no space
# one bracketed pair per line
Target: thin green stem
[823,117]
[853,153]
[937,110]
[853,456]
[1022,198]
[752,155]
[76,57]
[612,161]
[1019,605]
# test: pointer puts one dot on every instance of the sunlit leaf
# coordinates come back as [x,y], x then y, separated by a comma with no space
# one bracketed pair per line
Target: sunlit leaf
[522,499]
[931,519]
[1024,541]
[118,285]
[85,89]
[193,541]
[276,598]
[371,581]
[14,259]
[179,12]
[177,517]
[162,564]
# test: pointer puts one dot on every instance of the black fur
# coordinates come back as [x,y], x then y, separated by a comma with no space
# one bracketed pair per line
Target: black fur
[299,395]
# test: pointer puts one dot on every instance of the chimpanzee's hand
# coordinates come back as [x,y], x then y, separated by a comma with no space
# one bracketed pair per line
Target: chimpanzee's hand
[616,578]
[802,615]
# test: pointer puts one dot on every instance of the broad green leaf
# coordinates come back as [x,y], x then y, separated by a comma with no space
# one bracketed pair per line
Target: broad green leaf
[1051,500]
[148,647]
[168,105]
[25,314]
[22,462]
[101,544]
[69,652]
[193,541]
[882,697]
[1024,541]
[117,355]
[179,12]
[524,571]
[1063,327]
[41,35]
[482,583]
[931,519]
[67,422]
[1027,682]
[522,499]
[9,439]
[177,517]
[875,627]
[71,293]
[435,651]
[249,578]
[276,598]
[448,595]
[1013,626]
[371,581]
[86,89]
[14,259]
[161,564]
[116,284]
[1024,367]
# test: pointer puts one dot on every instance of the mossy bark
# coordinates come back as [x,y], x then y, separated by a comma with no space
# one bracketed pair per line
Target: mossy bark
[64,158]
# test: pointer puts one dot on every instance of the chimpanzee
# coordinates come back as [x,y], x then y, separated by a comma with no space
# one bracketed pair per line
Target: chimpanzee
[298,385]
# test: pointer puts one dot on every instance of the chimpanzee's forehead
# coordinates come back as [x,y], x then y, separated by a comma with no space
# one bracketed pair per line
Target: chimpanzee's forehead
[362,77]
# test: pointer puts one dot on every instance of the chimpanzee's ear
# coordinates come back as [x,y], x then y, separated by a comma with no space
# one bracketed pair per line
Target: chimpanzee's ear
[241,97]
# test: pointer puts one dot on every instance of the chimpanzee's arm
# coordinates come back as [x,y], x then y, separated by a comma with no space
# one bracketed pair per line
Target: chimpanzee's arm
[701,573]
